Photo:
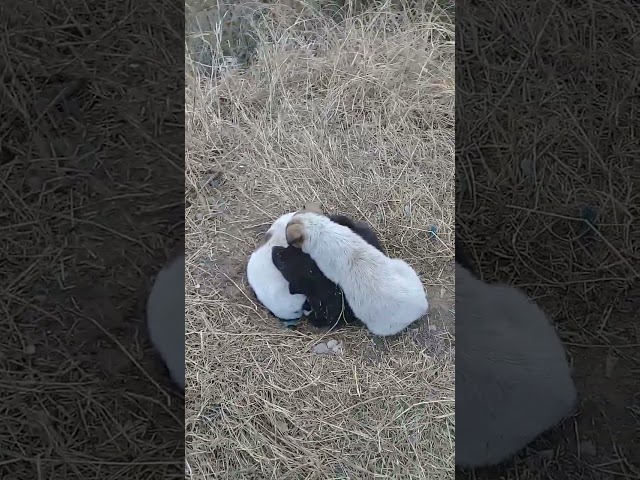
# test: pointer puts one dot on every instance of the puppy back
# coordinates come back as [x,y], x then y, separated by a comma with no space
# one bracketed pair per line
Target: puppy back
[363,229]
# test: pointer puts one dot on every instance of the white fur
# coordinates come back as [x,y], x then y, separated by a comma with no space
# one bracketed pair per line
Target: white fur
[512,377]
[267,282]
[165,317]
[384,293]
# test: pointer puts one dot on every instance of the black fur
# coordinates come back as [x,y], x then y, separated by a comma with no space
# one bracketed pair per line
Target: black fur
[325,299]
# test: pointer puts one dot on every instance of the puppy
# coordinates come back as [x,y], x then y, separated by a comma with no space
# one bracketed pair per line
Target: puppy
[270,287]
[165,317]
[512,377]
[385,294]
[325,299]
[268,284]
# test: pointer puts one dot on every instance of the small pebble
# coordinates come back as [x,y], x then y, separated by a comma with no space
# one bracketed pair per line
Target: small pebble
[30,349]
[281,426]
[332,343]
[589,214]
[341,473]
[321,348]
[526,166]
[589,217]
[212,414]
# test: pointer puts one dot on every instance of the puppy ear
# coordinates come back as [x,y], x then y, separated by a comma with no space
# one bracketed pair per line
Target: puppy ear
[314,207]
[295,234]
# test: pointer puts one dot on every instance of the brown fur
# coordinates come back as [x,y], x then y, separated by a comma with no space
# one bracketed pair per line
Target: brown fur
[295,233]
[314,207]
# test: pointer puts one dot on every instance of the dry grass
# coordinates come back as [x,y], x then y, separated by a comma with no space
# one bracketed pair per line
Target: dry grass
[91,209]
[358,115]
[546,126]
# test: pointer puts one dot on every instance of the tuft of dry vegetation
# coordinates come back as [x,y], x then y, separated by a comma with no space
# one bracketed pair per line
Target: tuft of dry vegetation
[358,115]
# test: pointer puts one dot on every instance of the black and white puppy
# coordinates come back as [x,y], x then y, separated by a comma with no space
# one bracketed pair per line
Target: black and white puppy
[325,299]
[165,317]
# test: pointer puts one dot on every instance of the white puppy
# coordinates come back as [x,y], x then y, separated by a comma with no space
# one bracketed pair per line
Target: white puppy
[512,377]
[266,281]
[384,293]
[165,317]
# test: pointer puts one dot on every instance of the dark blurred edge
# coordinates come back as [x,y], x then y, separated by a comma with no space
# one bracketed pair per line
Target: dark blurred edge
[92,185]
[547,146]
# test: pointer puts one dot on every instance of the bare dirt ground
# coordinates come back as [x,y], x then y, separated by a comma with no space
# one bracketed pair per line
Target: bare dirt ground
[356,114]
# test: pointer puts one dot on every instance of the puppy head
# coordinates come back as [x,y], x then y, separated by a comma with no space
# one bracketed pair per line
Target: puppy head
[296,267]
[313,207]
[276,257]
[304,228]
